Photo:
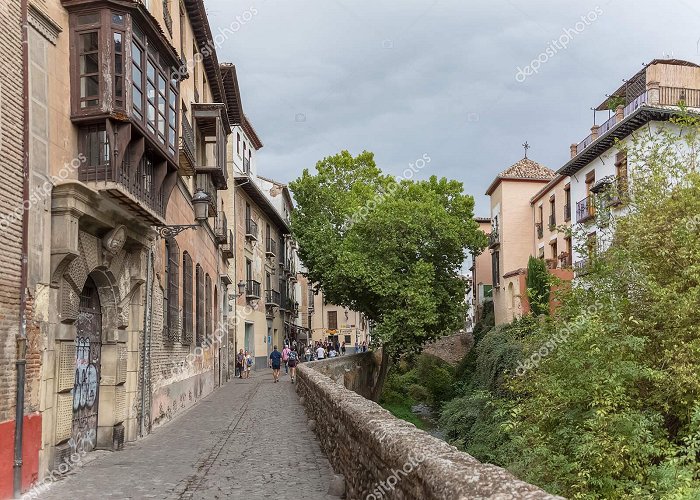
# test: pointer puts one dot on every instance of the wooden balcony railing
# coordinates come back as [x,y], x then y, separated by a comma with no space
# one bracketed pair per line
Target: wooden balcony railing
[137,180]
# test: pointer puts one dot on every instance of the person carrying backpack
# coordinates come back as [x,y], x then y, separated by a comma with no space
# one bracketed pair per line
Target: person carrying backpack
[292,360]
[285,357]
[248,364]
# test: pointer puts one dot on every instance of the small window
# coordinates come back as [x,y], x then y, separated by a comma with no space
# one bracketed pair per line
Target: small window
[332,320]
[89,60]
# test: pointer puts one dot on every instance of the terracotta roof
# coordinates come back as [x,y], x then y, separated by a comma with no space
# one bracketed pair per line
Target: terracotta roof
[525,169]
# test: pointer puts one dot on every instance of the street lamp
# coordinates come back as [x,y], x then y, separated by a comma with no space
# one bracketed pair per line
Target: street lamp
[241,287]
[200,203]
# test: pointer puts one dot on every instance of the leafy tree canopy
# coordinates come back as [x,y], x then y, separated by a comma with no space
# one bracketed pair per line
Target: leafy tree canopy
[389,248]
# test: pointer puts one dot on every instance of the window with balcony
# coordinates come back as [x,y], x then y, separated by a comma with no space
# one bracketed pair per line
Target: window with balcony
[567,203]
[495,269]
[552,213]
[89,69]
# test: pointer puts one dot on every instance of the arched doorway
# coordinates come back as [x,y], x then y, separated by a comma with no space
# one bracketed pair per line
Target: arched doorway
[88,350]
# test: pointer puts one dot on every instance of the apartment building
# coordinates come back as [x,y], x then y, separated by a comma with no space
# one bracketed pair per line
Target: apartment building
[127,279]
[551,212]
[264,269]
[481,278]
[334,323]
[511,234]
[647,100]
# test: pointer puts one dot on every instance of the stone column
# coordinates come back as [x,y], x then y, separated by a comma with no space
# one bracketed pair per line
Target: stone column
[653,93]
[572,150]
[594,132]
[619,113]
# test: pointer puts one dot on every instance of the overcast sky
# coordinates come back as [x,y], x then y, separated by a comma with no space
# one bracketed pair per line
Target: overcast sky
[405,78]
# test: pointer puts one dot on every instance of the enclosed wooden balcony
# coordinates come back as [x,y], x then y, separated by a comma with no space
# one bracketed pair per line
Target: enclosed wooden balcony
[211,125]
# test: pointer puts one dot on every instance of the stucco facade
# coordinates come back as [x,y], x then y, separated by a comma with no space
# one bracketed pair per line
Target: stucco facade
[126,315]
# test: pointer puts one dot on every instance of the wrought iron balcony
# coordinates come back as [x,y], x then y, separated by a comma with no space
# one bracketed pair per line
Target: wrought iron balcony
[221,227]
[582,267]
[494,238]
[565,260]
[205,183]
[227,246]
[270,247]
[272,298]
[252,289]
[552,221]
[585,209]
[251,230]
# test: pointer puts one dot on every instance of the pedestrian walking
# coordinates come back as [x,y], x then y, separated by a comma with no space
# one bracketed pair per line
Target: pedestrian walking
[320,352]
[364,346]
[248,364]
[357,347]
[285,357]
[292,363]
[240,358]
[307,354]
[275,362]
[342,349]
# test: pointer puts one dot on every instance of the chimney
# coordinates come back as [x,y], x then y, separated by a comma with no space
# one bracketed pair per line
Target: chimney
[572,148]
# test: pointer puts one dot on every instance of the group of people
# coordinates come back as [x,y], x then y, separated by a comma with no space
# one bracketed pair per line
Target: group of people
[291,355]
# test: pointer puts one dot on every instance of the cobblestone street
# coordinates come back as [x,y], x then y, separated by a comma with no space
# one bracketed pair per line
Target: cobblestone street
[249,439]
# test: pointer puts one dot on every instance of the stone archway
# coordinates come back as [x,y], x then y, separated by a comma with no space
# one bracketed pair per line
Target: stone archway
[106,277]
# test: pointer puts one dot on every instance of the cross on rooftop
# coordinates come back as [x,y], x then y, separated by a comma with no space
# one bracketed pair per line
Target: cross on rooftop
[526,146]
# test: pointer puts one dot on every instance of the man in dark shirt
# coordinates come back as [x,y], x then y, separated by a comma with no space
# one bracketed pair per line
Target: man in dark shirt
[276,364]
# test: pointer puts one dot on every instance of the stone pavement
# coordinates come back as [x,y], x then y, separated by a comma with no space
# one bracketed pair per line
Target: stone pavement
[248,439]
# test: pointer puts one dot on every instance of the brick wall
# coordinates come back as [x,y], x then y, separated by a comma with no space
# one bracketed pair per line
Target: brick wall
[11,155]
[381,456]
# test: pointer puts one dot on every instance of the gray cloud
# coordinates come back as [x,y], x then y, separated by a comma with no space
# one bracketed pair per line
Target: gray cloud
[438,77]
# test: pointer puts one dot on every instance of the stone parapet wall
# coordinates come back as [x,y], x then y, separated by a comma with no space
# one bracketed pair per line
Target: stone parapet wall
[381,456]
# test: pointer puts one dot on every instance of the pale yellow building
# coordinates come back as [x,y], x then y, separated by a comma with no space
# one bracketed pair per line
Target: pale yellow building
[511,236]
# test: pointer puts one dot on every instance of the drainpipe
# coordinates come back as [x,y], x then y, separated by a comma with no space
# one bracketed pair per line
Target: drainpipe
[21,361]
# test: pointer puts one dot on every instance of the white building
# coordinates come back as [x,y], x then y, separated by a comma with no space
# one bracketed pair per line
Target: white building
[646,101]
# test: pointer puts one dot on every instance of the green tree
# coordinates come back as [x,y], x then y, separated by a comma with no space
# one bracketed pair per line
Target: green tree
[391,250]
[538,286]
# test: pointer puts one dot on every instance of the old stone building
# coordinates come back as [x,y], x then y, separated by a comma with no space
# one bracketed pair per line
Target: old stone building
[127,273]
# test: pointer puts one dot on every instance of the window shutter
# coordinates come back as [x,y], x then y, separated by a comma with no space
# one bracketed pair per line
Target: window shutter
[208,308]
[187,317]
[173,326]
[200,305]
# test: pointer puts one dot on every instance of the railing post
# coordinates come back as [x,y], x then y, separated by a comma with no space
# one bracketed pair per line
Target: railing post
[654,93]
[572,150]
[594,132]
[619,113]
